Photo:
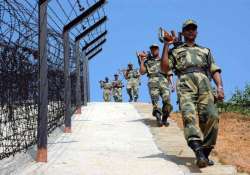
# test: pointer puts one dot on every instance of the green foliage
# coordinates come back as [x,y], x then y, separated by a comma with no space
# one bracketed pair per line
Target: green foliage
[239,102]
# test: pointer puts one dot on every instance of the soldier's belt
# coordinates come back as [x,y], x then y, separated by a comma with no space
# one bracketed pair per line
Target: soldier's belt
[156,75]
[134,77]
[192,70]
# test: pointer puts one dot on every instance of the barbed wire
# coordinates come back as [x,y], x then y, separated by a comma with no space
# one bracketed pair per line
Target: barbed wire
[19,67]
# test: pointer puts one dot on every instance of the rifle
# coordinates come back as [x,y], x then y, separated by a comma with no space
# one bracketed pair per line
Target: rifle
[164,35]
[138,58]
[101,83]
[179,40]
[122,71]
[148,55]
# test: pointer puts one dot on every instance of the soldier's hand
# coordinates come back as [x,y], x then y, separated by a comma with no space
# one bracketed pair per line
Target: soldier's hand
[220,94]
[142,55]
[124,72]
[170,38]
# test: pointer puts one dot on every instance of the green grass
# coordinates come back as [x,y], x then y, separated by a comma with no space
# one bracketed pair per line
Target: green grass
[230,107]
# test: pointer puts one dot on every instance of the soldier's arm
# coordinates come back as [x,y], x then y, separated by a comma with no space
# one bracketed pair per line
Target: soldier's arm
[216,75]
[218,81]
[142,56]
[165,58]
[126,74]
[143,69]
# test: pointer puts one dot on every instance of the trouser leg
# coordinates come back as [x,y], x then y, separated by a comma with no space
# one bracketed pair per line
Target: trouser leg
[136,93]
[166,103]
[187,95]
[208,117]
[129,91]
[155,94]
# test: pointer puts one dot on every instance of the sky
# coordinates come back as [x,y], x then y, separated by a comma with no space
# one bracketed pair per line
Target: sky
[224,27]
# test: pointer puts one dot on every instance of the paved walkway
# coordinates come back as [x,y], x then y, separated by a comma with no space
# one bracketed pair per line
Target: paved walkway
[107,139]
[171,142]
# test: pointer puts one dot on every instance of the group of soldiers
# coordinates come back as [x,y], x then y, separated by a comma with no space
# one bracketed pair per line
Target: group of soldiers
[194,67]
[114,88]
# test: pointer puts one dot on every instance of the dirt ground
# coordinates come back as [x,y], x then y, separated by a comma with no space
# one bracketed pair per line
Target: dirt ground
[233,146]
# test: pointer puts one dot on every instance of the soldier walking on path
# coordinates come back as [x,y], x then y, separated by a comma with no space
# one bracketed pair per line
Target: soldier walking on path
[194,66]
[117,89]
[133,81]
[158,84]
[107,87]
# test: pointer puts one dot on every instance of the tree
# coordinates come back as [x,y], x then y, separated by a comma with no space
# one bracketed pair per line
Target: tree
[246,94]
[237,97]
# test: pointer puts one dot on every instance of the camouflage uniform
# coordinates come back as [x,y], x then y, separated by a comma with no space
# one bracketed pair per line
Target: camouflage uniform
[133,80]
[106,86]
[194,65]
[117,90]
[158,86]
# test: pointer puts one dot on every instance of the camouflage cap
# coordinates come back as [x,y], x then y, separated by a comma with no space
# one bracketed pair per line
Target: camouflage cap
[189,22]
[154,46]
[130,64]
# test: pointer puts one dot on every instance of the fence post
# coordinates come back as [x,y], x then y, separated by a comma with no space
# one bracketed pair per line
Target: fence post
[42,130]
[85,91]
[88,82]
[67,88]
[78,80]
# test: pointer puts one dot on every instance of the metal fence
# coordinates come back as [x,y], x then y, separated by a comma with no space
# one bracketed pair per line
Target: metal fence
[20,68]
[18,79]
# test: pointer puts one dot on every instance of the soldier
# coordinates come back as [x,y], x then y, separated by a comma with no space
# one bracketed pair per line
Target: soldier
[158,84]
[194,65]
[107,87]
[117,89]
[133,80]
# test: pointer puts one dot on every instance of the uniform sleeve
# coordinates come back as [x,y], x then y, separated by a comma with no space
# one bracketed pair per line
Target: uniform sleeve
[171,61]
[213,66]
[146,65]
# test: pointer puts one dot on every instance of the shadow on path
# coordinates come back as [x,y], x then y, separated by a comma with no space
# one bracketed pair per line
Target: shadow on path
[187,162]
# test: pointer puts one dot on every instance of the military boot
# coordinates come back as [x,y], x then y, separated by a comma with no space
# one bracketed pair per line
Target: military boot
[165,119]
[135,99]
[196,146]
[207,152]
[130,98]
[158,119]
[130,95]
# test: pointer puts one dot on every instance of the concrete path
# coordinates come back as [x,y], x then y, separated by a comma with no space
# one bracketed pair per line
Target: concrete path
[107,139]
[171,142]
